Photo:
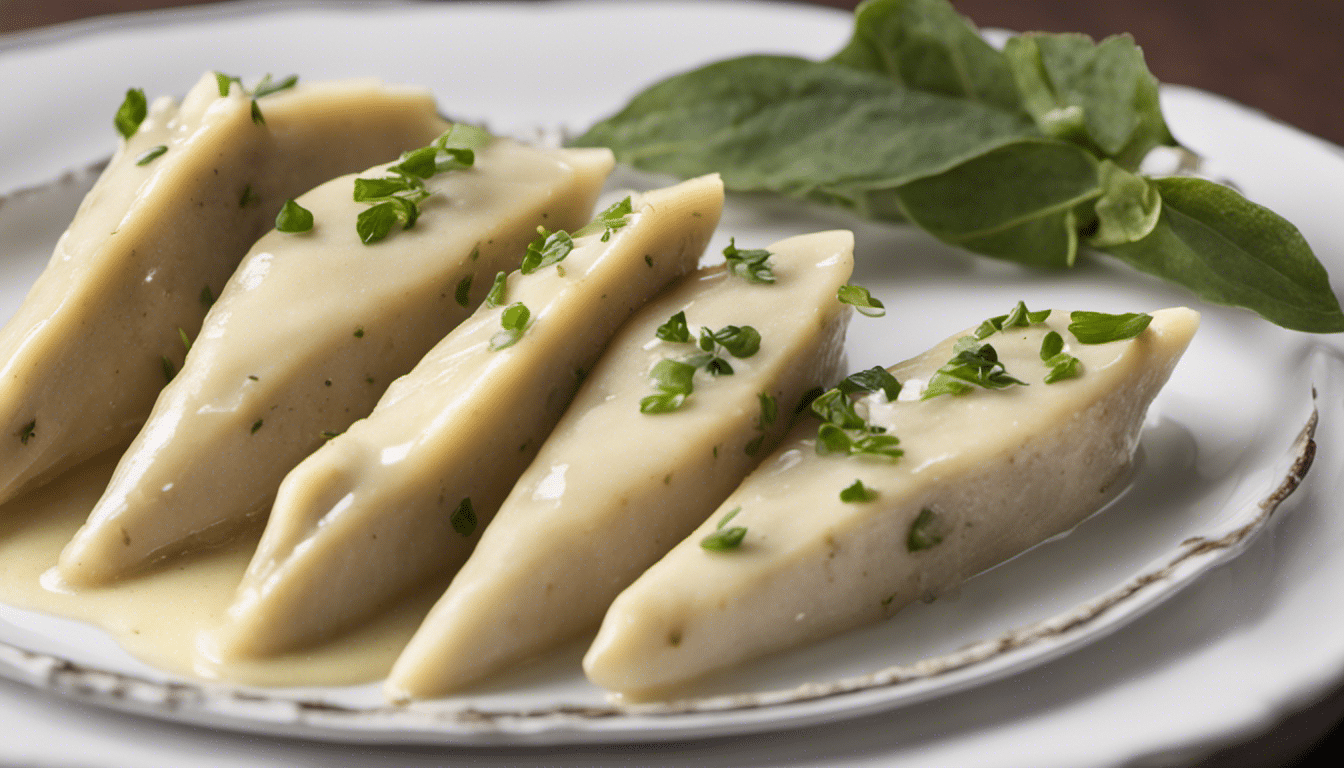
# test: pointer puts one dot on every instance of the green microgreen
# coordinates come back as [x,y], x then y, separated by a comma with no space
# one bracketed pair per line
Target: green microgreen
[1020,317]
[673,382]
[546,249]
[463,292]
[675,329]
[396,197]
[495,298]
[924,531]
[973,364]
[151,154]
[513,320]
[1062,365]
[27,431]
[464,518]
[294,218]
[724,539]
[875,379]
[750,265]
[843,431]
[858,297]
[608,221]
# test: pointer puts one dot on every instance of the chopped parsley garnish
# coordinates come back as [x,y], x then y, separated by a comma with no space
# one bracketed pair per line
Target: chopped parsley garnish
[131,113]
[875,379]
[495,298]
[396,197]
[769,412]
[924,531]
[150,155]
[266,87]
[1062,365]
[359,332]
[256,425]
[463,293]
[1020,317]
[26,432]
[325,435]
[608,221]
[464,518]
[740,342]
[675,329]
[673,381]
[858,297]
[724,539]
[858,493]
[844,431]
[207,298]
[973,364]
[514,321]
[186,342]
[169,370]
[1100,328]
[548,248]
[750,265]
[248,197]
[294,218]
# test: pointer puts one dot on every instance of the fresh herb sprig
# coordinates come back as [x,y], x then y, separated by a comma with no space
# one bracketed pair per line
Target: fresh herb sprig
[673,379]
[861,300]
[844,431]
[614,217]
[265,87]
[395,198]
[751,265]
[132,112]
[514,321]
[1049,133]
[1062,365]
[725,539]
[974,364]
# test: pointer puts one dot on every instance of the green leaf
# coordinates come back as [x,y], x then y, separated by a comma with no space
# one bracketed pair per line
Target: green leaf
[927,46]
[858,493]
[1099,95]
[608,221]
[548,248]
[131,113]
[673,376]
[371,190]
[1229,250]
[973,364]
[373,224]
[1051,345]
[724,539]
[1010,203]
[924,531]
[150,155]
[675,329]
[788,125]
[267,86]
[741,342]
[1020,317]
[1101,328]
[833,407]
[463,292]
[294,218]
[513,320]
[224,82]
[875,379]
[858,297]
[1128,209]
[769,410]
[464,518]
[495,298]
[750,265]
[207,297]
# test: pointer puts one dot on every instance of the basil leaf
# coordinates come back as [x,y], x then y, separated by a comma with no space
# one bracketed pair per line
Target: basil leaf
[1100,95]
[928,46]
[464,518]
[294,218]
[1010,203]
[858,493]
[1229,250]
[750,265]
[131,113]
[924,531]
[675,329]
[858,297]
[1101,328]
[1127,210]
[788,125]
[875,379]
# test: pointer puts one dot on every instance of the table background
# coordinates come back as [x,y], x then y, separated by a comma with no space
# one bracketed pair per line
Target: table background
[1284,58]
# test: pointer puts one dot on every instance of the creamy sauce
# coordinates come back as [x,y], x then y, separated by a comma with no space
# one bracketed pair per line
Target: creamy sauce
[158,616]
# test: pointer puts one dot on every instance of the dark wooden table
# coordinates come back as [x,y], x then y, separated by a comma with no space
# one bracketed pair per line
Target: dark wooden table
[1283,58]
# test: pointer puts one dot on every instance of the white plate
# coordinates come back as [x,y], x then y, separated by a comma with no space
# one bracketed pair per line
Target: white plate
[1224,437]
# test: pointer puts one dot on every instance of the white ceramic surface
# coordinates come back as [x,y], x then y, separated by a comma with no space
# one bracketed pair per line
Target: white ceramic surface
[1248,639]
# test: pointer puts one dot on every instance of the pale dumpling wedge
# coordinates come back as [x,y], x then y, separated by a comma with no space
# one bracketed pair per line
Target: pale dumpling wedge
[984,476]
[404,494]
[614,488]
[304,339]
[155,240]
